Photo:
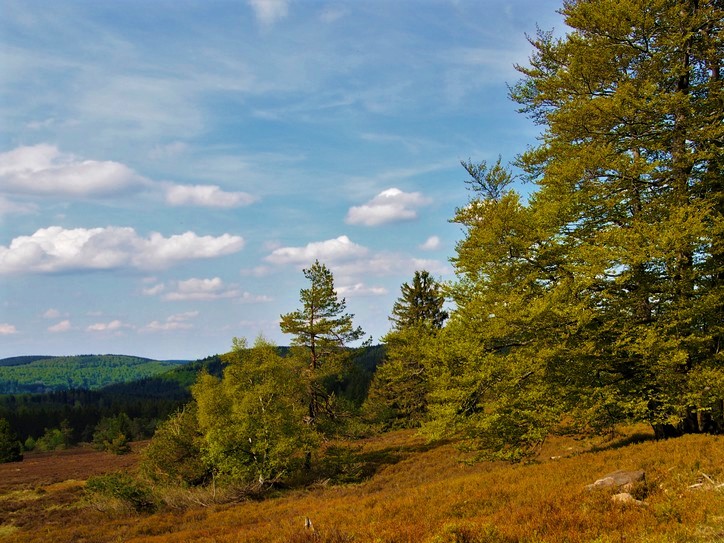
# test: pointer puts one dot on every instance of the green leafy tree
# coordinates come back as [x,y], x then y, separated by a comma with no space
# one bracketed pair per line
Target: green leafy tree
[398,393]
[112,434]
[600,297]
[174,455]
[252,419]
[56,438]
[10,449]
[321,330]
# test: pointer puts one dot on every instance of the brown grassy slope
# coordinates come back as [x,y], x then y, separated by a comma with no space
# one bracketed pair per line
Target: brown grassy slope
[425,494]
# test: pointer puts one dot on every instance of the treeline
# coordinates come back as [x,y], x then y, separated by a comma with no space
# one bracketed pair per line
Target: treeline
[35,374]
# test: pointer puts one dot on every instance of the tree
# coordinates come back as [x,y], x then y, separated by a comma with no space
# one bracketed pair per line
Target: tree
[321,329]
[398,393]
[10,449]
[175,453]
[420,303]
[601,297]
[252,418]
[112,434]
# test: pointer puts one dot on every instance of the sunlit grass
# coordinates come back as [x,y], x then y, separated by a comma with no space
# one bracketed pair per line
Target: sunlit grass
[418,492]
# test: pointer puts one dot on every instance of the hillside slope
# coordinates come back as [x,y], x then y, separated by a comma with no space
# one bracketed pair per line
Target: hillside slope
[42,374]
[420,492]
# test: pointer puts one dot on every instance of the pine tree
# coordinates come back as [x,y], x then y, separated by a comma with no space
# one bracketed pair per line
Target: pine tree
[321,330]
[10,449]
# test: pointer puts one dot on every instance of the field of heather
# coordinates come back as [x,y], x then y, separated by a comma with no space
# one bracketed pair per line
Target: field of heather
[415,492]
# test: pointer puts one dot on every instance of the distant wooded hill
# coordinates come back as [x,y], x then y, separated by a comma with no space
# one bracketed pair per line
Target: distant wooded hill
[38,374]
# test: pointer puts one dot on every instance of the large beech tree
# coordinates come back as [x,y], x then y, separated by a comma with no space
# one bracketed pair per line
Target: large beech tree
[601,296]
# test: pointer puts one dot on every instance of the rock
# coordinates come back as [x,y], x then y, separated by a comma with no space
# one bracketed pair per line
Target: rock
[618,479]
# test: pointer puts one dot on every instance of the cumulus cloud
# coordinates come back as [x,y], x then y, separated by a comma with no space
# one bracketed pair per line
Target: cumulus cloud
[387,264]
[7,329]
[51,313]
[57,249]
[432,243]
[269,11]
[391,205]
[112,326]
[201,289]
[331,250]
[360,289]
[43,170]
[178,321]
[62,326]
[205,196]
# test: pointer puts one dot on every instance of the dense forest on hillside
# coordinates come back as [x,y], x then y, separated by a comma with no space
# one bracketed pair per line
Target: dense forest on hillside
[35,374]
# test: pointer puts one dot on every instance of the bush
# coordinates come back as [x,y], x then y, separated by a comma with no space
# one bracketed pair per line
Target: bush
[120,491]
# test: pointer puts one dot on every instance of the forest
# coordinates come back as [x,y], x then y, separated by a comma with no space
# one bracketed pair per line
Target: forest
[595,303]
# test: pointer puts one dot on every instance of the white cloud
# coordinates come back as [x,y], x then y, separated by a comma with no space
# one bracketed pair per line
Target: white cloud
[386,264]
[155,290]
[181,317]
[360,289]
[205,196]
[170,150]
[51,314]
[112,326]
[7,329]
[331,250]
[390,205]
[157,326]
[43,170]
[56,249]
[257,271]
[432,243]
[269,11]
[62,326]
[179,321]
[201,290]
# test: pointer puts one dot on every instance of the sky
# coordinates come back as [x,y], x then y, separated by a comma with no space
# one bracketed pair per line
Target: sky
[168,168]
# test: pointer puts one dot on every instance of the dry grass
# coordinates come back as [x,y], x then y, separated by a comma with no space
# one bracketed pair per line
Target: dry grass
[423,493]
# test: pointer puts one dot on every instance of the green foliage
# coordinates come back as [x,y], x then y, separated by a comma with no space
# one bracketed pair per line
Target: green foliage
[419,304]
[398,394]
[38,374]
[10,449]
[321,330]
[123,489]
[112,434]
[174,455]
[55,439]
[252,419]
[600,298]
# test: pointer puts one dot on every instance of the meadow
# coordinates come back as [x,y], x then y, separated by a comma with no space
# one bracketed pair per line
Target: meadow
[400,489]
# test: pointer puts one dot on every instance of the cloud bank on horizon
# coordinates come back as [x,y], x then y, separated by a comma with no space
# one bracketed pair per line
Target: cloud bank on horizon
[167,171]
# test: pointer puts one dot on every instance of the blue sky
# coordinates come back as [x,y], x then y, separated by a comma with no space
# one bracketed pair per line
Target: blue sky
[168,168]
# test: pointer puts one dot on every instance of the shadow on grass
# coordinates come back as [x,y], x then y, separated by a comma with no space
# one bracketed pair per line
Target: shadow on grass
[349,464]
[623,441]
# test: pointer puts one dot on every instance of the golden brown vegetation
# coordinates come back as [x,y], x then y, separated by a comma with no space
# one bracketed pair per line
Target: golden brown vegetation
[418,492]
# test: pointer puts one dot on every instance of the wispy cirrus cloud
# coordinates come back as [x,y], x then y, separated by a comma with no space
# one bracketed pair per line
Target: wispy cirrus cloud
[57,249]
[391,205]
[269,11]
